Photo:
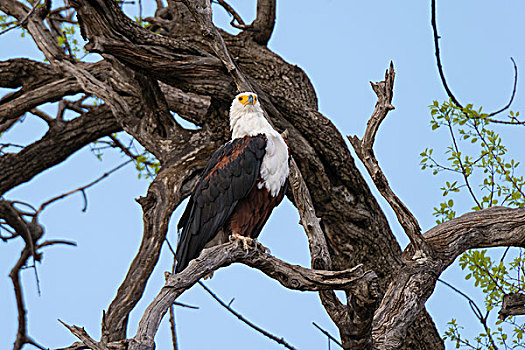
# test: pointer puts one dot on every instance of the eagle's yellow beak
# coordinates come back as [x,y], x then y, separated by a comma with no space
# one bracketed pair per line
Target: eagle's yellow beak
[248,99]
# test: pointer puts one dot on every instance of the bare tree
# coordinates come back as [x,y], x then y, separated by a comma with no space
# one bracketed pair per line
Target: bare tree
[182,63]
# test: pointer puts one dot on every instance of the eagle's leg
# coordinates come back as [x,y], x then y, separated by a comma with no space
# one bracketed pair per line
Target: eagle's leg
[247,242]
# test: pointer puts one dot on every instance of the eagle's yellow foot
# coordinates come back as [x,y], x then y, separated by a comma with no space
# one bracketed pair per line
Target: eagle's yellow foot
[247,242]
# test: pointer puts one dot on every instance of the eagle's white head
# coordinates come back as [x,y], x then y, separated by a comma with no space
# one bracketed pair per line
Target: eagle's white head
[247,117]
[245,102]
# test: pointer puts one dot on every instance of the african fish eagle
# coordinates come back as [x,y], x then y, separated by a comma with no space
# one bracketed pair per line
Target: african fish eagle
[244,180]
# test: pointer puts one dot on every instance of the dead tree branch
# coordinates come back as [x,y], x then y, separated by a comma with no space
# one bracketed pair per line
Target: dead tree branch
[290,276]
[57,145]
[364,150]
[354,320]
[81,334]
[415,282]
[22,336]
[513,304]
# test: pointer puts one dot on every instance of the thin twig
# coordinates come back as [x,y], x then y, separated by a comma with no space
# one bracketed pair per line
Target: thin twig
[81,189]
[476,310]
[177,303]
[235,15]
[172,317]
[17,287]
[438,56]
[463,171]
[331,337]
[444,81]
[243,319]
[511,97]
[173,329]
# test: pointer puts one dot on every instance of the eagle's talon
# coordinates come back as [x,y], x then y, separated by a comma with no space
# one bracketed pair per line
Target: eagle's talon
[263,248]
[247,242]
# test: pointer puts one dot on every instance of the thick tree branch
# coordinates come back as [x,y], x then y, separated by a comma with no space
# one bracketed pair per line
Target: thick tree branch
[408,292]
[364,150]
[290,276]
[24,72]
[12,108]
[263,25]
[55,146]
[201,11]
[189,106]
[513,304]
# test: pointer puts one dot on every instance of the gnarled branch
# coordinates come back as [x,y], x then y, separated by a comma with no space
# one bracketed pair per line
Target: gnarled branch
[408,292]
[290,276]
[364,150]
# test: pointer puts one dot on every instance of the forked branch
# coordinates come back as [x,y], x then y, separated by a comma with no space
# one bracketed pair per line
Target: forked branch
[364,150]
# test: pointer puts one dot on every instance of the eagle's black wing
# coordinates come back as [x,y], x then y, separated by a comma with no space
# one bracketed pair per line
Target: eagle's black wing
[229,176]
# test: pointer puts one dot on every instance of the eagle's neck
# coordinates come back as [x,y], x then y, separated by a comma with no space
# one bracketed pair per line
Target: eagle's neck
[250,123]
[274,168]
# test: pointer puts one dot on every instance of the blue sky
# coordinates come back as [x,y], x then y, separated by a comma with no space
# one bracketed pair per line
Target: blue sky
[341,45]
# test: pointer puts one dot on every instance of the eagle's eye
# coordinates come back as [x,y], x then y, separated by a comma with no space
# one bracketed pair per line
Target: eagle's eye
[240,98]
[254,99]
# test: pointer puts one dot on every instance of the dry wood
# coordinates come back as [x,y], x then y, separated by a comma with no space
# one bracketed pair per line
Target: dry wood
[364,150]
[513,304]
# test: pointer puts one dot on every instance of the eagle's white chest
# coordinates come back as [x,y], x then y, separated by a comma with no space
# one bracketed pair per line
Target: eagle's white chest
[274,168]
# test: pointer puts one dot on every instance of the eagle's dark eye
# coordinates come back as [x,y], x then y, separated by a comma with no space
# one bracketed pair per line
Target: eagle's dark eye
[240,98]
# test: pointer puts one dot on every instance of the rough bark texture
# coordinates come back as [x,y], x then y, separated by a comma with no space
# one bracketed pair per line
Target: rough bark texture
[193,69]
